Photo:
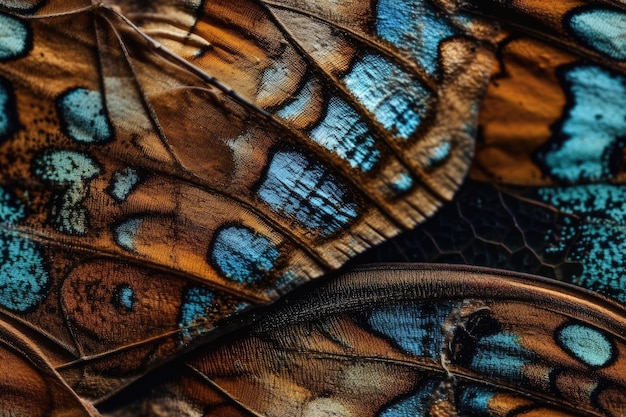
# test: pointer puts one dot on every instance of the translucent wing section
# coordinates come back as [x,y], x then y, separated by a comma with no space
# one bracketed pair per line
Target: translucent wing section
[411,340]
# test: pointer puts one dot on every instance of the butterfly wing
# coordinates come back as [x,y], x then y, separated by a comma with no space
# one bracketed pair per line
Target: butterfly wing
[560,78]
[415,340]
[150,189]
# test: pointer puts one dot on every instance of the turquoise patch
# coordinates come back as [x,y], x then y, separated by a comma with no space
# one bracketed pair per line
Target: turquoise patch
[243,255]
[501,355]
[24,282]
[413,26]
[343,132]
[601,236]
[197,302]
[592,133]
[70,173]
[417,405]
[9,122]
[299,104]
[15,38]
[124,297]
[402,183]
[474,400]
[416,328]
[84,117]
[586,344]
[439,154]
[122,184]
[126,232]
[300,188]
[602,29]
[398,102]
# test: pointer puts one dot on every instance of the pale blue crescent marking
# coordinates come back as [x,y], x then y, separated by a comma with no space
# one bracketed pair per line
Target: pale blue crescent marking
[601,242]
[124,296]
[412,25]
[501,355]
[71,173]
[126,232]
[84,116]
[15,38]
[417,405]
[586,344]
[196,303]
[343,132]
[243,255]
[9,122]
[602,29]
[398,102]
[122,183]
[402,182]
[299,104]
[474,400]
[298,187]
[439,154]
[594,126]
[415,328]
[24,281]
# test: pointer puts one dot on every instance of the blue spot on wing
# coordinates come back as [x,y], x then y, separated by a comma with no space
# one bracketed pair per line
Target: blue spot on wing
[343,132]
[415,328]
[602,29]
[593,131]
[243,255]
[126,232]
[24,280]
[8,111]
[586,344]
[122,184]
[474,400]
[84,117]
[124,297]
[398,102]
[299,104]
[70,173]
[197,301]
[15,38]
[296,186]
[412,25]
[501,355]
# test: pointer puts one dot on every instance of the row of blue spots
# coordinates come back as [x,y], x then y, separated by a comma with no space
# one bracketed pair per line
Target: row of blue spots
[197,302]
[601,244]
[124,297]
[83,116]
[242,254]
[24,281]
[296,186]
[70,173]
[123,182]
[602,29]
[9,122]
[15,38]
[413,25]
[416,328]
[299,103]
[125,233]
[592,133]
[398,102]
[587,344]
[343,132]
[417,405]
